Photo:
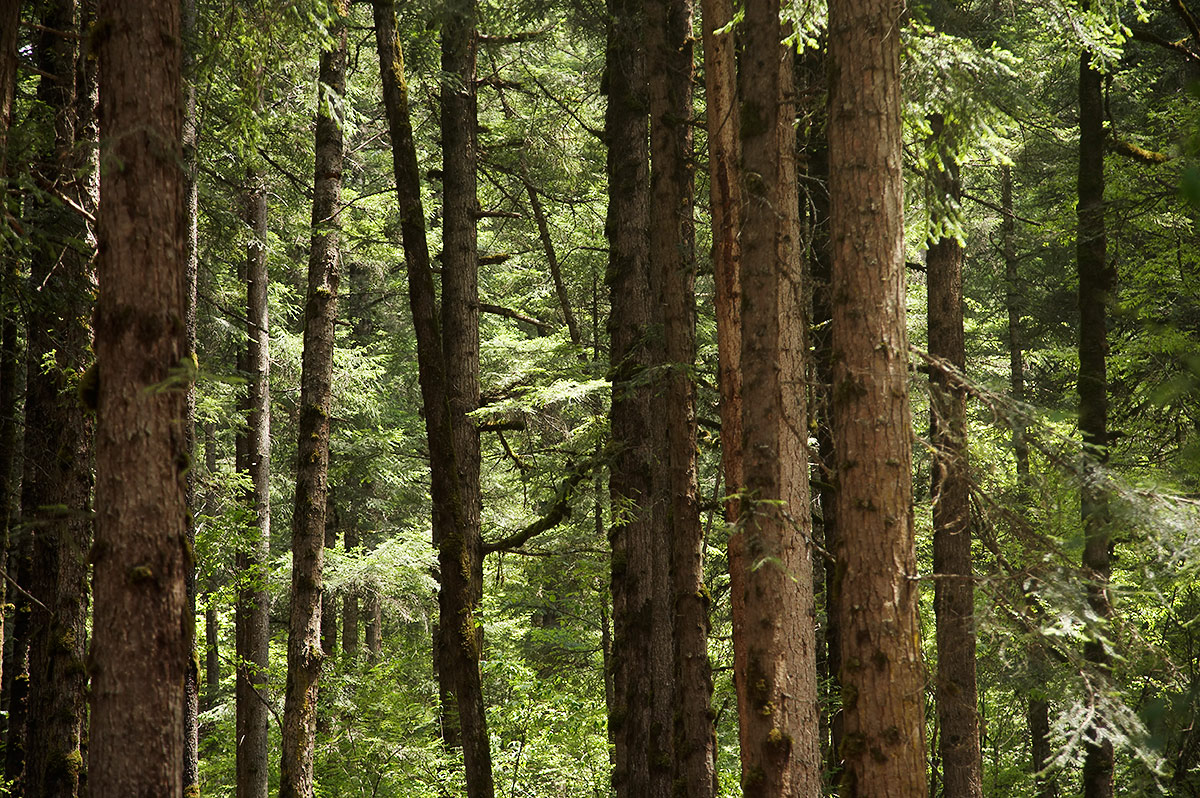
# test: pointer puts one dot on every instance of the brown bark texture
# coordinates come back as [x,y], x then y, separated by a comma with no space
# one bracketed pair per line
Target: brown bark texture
[10,14]
[423,304]
[640,720]
[882,677]
[778,722]
[725,194]
[139,654]
[954,587]
[252,634]
[56,489]
[673,269]
[460,558]
[1097,279]
[312,455]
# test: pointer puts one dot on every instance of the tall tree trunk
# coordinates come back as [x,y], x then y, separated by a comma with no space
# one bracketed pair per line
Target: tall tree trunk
[1097,279]
[821,272]
[672,237]
[312,455]
[58,479]
[9,20]
[191,701]
[954,588]
[374,629]
[725,193]
[640,727]
[882,675]
[252,633]
[431,366]
[212,660]
[778,721]
[350,600]
[139,654]
[460,558]
[329,613]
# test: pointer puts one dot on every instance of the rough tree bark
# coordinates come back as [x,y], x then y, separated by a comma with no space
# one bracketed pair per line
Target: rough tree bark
[954,588]
[778,722]
[252,634]
[460,559]
[139,654]
[641,716]
[312,455]
[1097,279]
[57,485]
[672,237]
[882,677]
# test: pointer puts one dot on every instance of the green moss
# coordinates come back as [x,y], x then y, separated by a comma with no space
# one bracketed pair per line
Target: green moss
[141,573]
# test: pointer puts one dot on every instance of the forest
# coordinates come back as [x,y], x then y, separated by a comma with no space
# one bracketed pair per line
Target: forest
[578,398]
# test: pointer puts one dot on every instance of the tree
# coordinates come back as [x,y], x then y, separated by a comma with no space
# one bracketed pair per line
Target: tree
[1097,279]
[252,611]
[312,453]
[954,591]
[139,653]
[460,558]
[881,676]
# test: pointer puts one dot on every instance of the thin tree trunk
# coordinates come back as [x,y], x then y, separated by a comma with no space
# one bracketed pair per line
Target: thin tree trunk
[139,654]
[431,367]
[954,589]
[642,737]
[212,661]
[350,600]
[460,558]
[312,455]
[882,676]
[673,268]
[191,701]
[1097,279]
[329,614]
[779,720]
[58,480]
[251,612]
[560,287]
[374,628]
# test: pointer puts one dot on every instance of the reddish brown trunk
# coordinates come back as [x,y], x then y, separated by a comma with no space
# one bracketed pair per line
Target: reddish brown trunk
[139,655]
[882,677]
[312,455]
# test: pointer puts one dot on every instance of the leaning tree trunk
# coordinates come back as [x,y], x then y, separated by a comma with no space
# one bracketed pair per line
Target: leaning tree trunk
[673,274]
[882,676]
[1096,282]
[431,366]
[953,590]
[641,732]
[252,633]
[460,558]
[312,454]
[778,720]
[139,654]
[56,490]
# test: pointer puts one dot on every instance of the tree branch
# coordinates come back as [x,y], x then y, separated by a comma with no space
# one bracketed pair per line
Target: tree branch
[558,512]
[1131,150]
[543,328]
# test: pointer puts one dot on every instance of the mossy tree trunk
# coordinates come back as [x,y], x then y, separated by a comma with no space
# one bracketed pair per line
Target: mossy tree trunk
[312,454]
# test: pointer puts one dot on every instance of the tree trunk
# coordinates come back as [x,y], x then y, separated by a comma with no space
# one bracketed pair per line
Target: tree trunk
[58,479]
[882,676]
[312,455]
[329,614]
[252,632]
[1097,279]
[191,701]
[672,237]
[431,367]
[350,600]
[460,559]
[778,721]
[212,661]
[954,588]
[640,727]
[139,654]
[374,628]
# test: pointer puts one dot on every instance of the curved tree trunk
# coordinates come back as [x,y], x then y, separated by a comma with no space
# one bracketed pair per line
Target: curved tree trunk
[312,455]
[139,656]
[882,676]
